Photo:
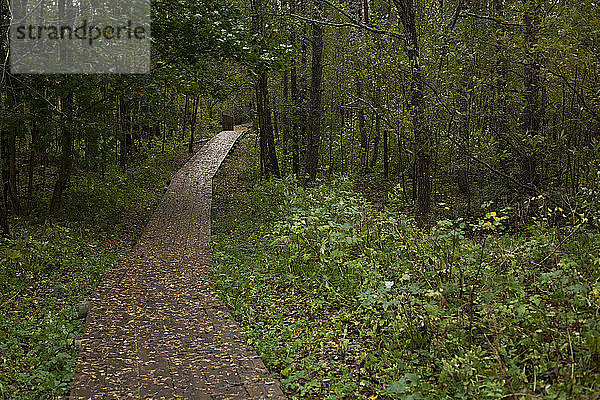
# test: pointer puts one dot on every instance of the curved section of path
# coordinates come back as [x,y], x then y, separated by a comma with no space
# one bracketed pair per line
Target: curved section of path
[155,329]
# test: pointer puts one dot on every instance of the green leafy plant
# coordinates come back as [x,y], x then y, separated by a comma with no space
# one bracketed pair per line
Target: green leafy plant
[344,301]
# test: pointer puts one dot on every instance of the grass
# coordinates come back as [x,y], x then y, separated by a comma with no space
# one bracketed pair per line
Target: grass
[49,267]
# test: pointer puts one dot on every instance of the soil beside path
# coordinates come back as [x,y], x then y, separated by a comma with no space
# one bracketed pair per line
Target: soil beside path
[155,329]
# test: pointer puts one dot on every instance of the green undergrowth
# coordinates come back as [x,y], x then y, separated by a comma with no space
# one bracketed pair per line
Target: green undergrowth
[47,268]
[343,301]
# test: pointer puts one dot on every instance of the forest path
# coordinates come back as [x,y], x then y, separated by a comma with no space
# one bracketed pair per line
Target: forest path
[155,329]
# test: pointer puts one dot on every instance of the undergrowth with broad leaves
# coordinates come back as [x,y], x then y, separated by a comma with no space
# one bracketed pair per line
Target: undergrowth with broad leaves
[47,268]
[343,301]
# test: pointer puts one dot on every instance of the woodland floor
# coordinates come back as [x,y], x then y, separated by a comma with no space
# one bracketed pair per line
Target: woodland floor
[155,328]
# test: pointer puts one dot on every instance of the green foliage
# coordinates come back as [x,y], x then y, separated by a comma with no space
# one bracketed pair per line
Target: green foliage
[48,268]
[46,271]
[320,235]
[104,201]
[189,31]
[344,301]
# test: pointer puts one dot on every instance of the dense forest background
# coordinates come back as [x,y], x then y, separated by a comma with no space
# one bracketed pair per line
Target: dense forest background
[458,101]
[465,129]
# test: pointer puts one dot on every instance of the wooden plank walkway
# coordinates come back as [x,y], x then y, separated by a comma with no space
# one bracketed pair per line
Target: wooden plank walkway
[154,328]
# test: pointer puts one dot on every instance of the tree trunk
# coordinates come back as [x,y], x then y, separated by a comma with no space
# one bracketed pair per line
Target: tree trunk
[297,98]
[9,143]
[296,122]
[193,121]
[421,129]
[285,127]
[314,119]
[267,141]
[386,158]
[364,141]
[184,117]
[376,142]
[462,176]
[275,124]
[4,228]
[66,158]
[4,163]
[32,163]
[125,137]
[65,13]
[4,24]
[342,130]
[268,154]
[531,121]
[12,167]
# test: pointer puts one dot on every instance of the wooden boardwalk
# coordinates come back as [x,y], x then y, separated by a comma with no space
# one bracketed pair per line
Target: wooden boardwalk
[155,329]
